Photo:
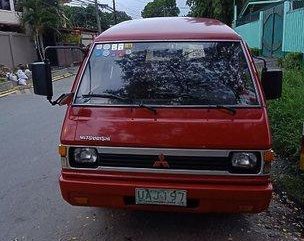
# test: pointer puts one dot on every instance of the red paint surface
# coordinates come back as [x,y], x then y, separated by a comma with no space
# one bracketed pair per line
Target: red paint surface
[211,194]
[172,128]
[169,29]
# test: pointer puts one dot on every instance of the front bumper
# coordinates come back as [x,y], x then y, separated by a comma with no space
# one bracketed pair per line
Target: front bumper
[215,194]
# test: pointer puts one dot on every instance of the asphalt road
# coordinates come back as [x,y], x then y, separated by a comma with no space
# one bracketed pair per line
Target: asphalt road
[31,207]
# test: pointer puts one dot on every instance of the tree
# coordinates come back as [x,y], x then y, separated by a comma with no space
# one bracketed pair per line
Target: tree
[218,9]
[160,8]
[84,17]
[40,16]
[121,17]
[173,74]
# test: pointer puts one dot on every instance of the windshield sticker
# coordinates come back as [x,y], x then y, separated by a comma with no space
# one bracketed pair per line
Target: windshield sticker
[107,46]
[114,47]
[99,46]
[128,46]
[106,53]
[113,53]
[128,51]
[98,52]
[194,52]
[120,46]
[121,53]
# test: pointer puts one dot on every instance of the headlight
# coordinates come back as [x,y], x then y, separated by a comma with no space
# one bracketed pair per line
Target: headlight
[85,155]
[245,162]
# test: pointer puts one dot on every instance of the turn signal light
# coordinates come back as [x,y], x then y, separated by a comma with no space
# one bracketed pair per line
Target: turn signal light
[269,156]
[62,150]
[81,200]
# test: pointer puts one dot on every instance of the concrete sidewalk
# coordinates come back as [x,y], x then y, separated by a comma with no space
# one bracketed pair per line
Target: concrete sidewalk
[9,87]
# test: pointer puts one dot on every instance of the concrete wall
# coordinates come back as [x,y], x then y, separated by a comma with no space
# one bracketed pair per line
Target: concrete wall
[16,48]
[87,38]
[9,17]
[67,57]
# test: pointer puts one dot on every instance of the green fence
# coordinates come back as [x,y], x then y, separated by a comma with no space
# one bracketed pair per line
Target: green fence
[251,32]
[293,39]
[268,34]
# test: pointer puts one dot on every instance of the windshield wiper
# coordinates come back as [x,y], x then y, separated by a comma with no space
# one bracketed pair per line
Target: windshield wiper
[111,96]
[105,95]
[230,109]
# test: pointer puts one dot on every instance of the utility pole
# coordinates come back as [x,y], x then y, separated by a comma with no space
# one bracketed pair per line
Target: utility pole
[97,17]
[114,12]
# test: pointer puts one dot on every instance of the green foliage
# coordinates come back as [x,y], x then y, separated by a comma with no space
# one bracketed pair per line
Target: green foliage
[121,17]
[280,62]
[85,17]
[218,9]
[255,51]
[293,183]
[286,177]
[160,8]
[40,15]
[292,61]
[71,38]
[287,115]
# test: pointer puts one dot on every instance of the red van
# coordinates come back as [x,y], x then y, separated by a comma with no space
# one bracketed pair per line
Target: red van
[166,114]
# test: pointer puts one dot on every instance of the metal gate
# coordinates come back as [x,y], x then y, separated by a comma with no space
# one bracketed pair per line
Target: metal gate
[273,31]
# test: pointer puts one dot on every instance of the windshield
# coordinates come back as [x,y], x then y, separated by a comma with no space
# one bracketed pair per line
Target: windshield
[167,73]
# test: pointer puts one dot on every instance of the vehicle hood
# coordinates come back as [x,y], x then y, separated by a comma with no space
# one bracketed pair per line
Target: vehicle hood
[170,128]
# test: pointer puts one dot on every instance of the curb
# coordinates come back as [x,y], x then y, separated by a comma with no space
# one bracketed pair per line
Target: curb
[15,89]
[8,92]
[63,76]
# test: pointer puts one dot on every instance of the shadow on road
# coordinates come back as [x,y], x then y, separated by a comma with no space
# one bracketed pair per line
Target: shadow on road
[139,225]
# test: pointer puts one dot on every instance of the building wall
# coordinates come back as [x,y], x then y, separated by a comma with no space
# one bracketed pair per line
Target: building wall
[294,31]
[9,17]
[16,49]
[251,33]
[68,57]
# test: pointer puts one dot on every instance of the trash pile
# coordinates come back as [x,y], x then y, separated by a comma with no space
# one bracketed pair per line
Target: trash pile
[19,77]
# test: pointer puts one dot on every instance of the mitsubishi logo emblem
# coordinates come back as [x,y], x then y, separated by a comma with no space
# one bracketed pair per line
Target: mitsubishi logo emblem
[161,162]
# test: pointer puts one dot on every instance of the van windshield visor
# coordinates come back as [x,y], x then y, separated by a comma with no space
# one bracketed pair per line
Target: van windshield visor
[167,73]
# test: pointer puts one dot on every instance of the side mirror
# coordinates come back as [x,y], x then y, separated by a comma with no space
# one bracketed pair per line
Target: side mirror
[42,79]
[272,83]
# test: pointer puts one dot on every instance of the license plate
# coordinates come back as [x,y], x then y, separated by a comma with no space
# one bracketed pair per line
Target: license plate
[161,197]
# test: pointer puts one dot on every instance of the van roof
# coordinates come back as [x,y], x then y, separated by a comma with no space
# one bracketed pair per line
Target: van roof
[169,28]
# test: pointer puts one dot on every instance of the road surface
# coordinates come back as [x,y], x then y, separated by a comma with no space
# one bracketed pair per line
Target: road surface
[31,207]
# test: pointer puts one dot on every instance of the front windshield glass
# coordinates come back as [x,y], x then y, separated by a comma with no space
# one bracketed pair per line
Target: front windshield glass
[167,73]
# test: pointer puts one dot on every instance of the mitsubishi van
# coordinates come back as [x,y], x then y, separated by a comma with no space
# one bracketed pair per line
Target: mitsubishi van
[166,114]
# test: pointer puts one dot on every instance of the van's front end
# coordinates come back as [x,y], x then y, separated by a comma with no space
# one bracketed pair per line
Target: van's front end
[177,125]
